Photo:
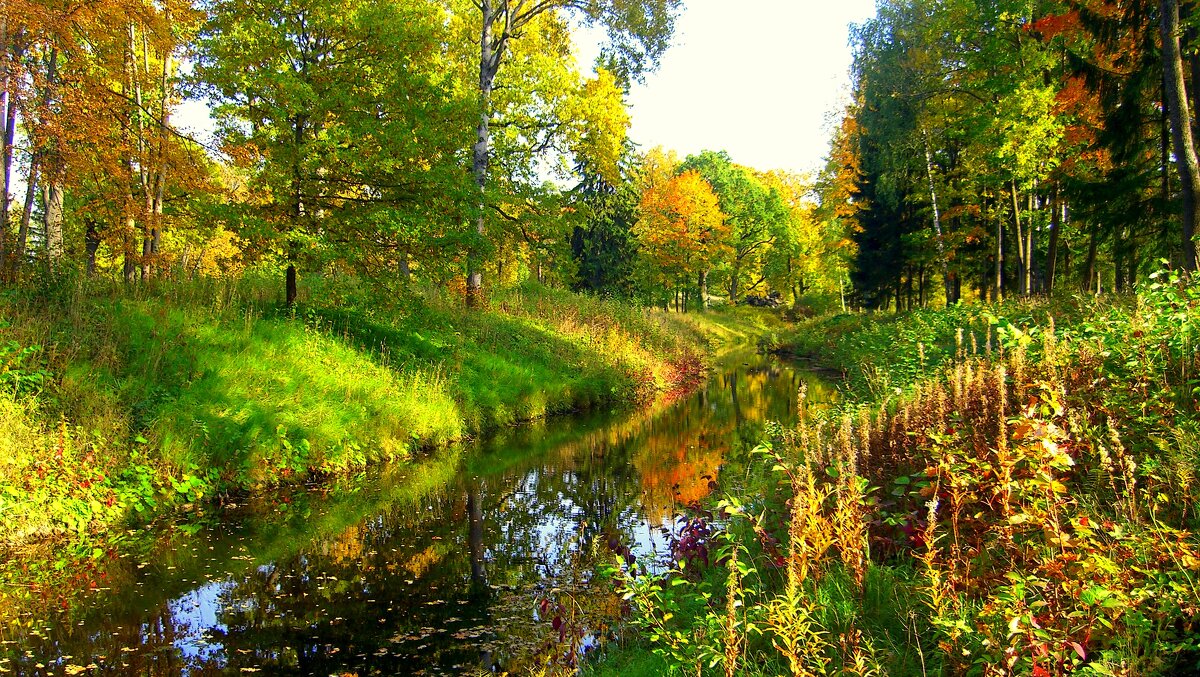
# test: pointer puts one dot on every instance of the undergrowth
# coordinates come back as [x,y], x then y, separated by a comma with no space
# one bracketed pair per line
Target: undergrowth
[1019,498]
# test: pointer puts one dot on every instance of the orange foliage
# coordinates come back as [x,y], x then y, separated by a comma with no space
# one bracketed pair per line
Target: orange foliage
[681,226]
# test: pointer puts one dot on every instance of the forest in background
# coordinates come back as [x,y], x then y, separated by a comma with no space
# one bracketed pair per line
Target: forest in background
[988,149]
[446,143]
[1019,148]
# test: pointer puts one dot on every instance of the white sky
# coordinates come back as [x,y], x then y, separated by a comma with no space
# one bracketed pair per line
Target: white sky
[757,78]
[761,79]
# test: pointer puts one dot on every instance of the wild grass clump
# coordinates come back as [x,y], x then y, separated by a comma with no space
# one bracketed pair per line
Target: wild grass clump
[879,353]
[1032,508]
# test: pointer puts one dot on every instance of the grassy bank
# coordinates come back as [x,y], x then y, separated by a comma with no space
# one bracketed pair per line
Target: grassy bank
[1019,504]
[115,401]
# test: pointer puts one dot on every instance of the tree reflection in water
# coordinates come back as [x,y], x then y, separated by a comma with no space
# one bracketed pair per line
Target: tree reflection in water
[459,562]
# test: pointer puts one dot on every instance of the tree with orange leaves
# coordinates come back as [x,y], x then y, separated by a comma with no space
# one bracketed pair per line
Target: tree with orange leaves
[91,86]
[682,230]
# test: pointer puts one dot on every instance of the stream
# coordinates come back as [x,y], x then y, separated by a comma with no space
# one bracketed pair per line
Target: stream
[477,559]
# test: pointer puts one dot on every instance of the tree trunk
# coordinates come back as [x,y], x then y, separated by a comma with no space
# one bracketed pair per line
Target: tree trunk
[1181,128]
[8,127]
[160,178]
[999,289]
[1120,247]
[1132,261]
[298,213]
[129,265]
[1022,256]
[91,244]
[1089,266]
[1187,46]
[52,173]
[702,282]
[147,249]
[183,261]
[921,286]
[489,62]
[1165,149]
[31,186]
[1029,255]
[53,195]
[1057,209]
[937,224]
[291,292]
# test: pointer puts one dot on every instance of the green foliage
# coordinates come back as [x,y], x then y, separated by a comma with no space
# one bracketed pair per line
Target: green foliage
[603,245]
[754,213]
[19,374]
[342,168]
[172,395]
[976,128]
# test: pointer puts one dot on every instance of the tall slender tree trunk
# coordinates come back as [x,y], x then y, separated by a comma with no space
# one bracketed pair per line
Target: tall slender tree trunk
[937,224]
[921,286]
[1120,250]
[8,126]
[1089,266]
[91,244]
[1181,128]
[999,257]
[31,186]
[1133,262]
[54,187]
[702,282]
[1165,152]
[291,289]
[1029,250]
[1022,256]
[1187,46]
[489,61]
[129,262]
[1057,209]
[54,218]
[160,177]
[138,126]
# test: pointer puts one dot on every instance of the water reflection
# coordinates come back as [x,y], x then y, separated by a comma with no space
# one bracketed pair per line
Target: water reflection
[475,559]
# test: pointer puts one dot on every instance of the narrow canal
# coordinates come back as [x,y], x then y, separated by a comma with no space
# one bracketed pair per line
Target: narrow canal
[478,559]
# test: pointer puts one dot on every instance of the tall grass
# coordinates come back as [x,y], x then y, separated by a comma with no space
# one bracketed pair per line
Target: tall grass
[1023,507]
[172,392]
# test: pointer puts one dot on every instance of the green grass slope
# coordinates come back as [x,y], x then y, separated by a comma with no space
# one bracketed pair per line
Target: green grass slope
[113,401]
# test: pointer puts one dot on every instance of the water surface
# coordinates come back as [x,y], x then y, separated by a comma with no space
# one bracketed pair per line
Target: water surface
[480,558]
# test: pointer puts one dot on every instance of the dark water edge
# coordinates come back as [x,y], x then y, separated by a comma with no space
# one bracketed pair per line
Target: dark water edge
[478,559]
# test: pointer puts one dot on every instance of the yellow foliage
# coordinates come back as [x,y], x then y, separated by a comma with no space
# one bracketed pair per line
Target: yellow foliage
[681,226]
[601,124]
